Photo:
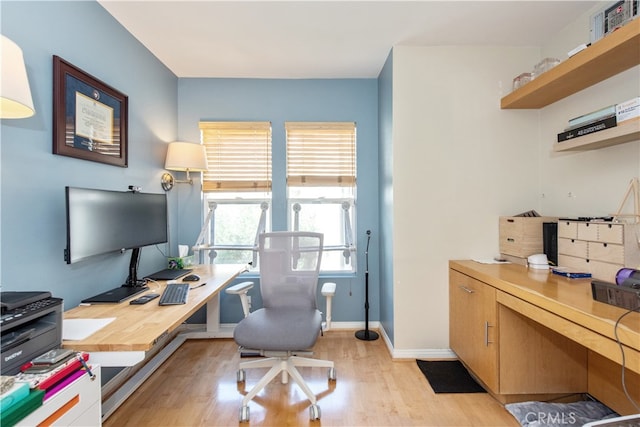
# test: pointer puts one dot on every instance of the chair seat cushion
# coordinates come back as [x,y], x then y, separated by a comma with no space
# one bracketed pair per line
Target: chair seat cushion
[279,329]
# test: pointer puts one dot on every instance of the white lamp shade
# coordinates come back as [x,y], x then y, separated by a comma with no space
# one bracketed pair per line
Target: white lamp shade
[183,156]
[15,95]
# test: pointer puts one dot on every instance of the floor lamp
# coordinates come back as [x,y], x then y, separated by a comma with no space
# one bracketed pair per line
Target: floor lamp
[366,334]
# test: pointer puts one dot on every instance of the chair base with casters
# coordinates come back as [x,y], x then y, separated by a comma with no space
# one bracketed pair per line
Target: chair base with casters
[283,363]
[286,365]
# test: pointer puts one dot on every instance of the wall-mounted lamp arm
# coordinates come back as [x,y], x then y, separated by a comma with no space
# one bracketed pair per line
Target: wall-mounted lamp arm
[183,156]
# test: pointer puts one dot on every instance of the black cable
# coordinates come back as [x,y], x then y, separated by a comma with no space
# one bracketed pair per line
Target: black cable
[615,332]
[159,250]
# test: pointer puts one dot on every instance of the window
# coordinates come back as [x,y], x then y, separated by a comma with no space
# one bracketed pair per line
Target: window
[237,190]
[239,156]
[320,181]
[321,186]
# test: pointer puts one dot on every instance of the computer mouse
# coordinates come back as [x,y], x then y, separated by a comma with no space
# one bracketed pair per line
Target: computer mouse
[191,278]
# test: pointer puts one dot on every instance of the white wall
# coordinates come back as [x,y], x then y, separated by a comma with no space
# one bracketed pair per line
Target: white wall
[459,163]
[589,183]
[33,179]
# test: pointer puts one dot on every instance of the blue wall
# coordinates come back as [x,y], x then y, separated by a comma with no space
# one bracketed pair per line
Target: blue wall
[162,108]
[33,179]
[385,182]
[278,101]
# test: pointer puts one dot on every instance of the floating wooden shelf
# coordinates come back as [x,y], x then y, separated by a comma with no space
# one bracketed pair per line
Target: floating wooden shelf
[620,134]
[607,57]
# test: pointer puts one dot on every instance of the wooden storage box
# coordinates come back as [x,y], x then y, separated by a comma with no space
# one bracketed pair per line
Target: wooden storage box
[521,236]
[599,248]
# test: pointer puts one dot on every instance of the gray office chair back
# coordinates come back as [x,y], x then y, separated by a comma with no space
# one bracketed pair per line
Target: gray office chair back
[289,268]
[288,324]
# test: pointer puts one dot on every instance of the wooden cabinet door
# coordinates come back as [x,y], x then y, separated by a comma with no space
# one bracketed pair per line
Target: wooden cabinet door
[473,326]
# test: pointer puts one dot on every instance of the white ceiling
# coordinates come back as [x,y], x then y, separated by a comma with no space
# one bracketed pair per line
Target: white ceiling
[325,39]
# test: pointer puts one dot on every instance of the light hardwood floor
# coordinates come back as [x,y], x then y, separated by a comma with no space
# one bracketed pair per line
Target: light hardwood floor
[197,387]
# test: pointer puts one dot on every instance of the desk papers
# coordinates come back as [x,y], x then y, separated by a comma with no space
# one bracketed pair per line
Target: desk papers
[79,329]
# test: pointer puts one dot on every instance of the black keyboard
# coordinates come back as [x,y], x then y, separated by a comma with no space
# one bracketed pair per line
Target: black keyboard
[173,294]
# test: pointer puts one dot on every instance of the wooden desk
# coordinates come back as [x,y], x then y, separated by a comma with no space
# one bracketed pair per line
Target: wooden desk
[140,330]
[574,327]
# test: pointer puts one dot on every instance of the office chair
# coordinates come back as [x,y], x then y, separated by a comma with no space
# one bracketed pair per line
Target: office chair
[289,322]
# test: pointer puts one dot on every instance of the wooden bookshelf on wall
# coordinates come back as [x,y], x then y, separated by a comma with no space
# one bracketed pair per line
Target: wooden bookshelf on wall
[627,131]
[607,57]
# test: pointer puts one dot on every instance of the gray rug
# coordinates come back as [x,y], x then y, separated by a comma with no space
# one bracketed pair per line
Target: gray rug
[537,414]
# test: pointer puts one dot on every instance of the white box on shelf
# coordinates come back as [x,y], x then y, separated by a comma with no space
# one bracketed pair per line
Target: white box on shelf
[628,110]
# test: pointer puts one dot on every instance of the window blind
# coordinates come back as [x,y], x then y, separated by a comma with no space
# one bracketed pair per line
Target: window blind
[321,154]
[238,155]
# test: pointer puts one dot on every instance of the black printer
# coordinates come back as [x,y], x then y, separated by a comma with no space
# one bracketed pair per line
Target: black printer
[31,325]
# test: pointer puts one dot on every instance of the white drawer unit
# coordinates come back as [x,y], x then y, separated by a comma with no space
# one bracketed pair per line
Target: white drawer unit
[78,404]
[599,248]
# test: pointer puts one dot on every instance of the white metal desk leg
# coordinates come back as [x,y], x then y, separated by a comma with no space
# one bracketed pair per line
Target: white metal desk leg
[213,315]
[212,328]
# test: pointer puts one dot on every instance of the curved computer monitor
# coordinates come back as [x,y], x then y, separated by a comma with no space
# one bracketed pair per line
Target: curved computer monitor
[104,221]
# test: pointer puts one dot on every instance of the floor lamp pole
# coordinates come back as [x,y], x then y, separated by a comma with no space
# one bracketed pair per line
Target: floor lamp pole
[366,334]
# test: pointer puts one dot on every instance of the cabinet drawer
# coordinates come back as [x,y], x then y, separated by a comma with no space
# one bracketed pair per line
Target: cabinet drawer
[76,404]
[611,233]
[574,263]
[604,270]
[521,236]
[587,231]
[606,252]
[577,248]
[567,229]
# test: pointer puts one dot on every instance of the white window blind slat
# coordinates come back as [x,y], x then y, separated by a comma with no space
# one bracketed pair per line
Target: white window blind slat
[321,153]
[238,155]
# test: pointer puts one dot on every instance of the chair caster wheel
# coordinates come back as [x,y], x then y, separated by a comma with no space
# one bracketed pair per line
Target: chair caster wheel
[332,374]
[314,412]
[240,375]
[244,414]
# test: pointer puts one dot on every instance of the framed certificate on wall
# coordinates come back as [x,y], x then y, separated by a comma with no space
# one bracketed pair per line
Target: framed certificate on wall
[89,117]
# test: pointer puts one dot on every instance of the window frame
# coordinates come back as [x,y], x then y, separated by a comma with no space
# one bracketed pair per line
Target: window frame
[323,155]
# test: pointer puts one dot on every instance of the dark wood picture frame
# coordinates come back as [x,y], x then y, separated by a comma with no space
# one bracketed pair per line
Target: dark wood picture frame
[90,118]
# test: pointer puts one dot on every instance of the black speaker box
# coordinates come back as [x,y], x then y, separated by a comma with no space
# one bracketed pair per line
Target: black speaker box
[550,241]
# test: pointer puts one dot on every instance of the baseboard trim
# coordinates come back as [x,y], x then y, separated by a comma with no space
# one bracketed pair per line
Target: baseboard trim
[226,331]
[420,353]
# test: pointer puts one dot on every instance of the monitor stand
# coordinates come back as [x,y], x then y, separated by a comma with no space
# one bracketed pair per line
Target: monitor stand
[116,295]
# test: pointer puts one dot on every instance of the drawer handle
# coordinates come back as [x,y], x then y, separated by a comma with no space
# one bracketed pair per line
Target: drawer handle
[604,245]
[467,290]
[509,239]
[511,220]
[486,334]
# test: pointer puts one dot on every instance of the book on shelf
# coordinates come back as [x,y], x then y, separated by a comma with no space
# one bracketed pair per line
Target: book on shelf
[628,110]
[607,123]
[592,117]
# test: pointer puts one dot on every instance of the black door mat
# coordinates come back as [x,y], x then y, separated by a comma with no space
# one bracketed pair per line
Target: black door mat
[449,376]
